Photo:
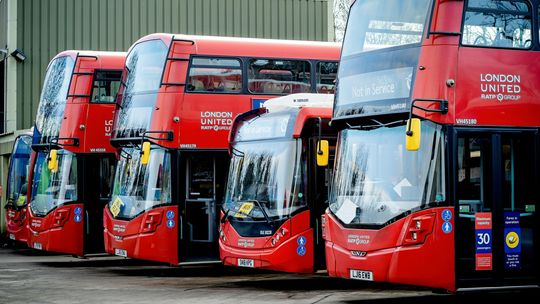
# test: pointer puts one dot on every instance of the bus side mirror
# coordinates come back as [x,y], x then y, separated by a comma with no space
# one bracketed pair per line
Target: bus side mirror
[412,140]
[53,160]
[145,152]
[322,153]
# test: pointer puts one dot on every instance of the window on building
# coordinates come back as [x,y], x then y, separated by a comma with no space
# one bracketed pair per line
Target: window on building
[275,76]
[326,76]
[106,85]
[497,23]
[215,75]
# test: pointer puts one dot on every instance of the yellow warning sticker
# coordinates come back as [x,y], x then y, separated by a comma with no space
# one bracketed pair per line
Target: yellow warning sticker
[116,206]
[244,210]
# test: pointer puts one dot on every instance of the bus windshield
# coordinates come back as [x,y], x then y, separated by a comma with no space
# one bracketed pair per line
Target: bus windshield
[53,97]
[53,188]
[17,185]
[377,180]
[380,53]
[138,187]
[141,81]
[265,174]
[375,24]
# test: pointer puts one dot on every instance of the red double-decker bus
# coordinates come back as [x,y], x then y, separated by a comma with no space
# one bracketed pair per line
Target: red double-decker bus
[17,188]
[177,103]
[447,200]
[74,161]
[277,185]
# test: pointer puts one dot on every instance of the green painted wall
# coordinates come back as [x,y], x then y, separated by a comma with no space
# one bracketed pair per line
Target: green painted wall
[46,27]
[3,24]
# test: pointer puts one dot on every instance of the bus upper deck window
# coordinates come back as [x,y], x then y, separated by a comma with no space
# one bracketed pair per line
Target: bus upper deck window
[106,85]
[215,75]
[497,23]
[270,76]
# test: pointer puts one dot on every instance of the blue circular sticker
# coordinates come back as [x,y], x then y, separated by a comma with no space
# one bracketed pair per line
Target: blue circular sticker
[78,210]
[447,227]
[446,215]
[301,240]
[170,223]
[301,250]
[170,214]
[77,218]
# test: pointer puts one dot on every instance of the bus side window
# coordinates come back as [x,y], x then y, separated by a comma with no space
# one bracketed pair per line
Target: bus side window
[280,77]
[221,75]
[106,86]
[495,23]
[326,76]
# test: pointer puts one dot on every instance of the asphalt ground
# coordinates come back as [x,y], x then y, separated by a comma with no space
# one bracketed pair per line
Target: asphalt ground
[31,276]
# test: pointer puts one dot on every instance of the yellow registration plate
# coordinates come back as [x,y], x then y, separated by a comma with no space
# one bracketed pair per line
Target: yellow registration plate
[244,210]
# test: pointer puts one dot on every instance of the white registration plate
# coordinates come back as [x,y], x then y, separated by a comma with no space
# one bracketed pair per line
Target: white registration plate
[361,275]
[120,252]
[38,246]
[12,236]
[246,263]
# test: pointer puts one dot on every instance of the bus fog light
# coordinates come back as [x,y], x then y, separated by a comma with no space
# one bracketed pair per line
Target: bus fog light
[273,242]
[418,224]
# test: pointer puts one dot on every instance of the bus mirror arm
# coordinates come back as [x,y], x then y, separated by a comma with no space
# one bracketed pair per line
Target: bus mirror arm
[412,139]
[443,108]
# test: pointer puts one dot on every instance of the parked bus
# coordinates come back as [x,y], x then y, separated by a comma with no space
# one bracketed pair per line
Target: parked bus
[17,188]
[74,159]
[177,103]
[436,163]
[277,186]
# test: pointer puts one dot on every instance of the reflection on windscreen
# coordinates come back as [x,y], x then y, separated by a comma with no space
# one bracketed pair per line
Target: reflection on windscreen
[53,96]
[268,172]
[142,78]
[376,179]
[18,172]
[375,24]
[53,188]
[139,187]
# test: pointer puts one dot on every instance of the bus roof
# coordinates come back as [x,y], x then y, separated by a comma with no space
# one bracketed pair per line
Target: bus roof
[235,46]
[104,58]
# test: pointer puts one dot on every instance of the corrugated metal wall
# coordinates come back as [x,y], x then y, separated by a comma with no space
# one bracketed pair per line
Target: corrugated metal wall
[3,44]
[3,24]
[49,26]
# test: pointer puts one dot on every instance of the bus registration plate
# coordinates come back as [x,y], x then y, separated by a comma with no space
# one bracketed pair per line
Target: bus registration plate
[120,252]
[361,275]
[38,246]
[246,263]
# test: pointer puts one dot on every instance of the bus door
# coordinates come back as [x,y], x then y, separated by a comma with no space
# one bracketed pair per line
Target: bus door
[318,182]
[496,188]
[98,170]
[204,184]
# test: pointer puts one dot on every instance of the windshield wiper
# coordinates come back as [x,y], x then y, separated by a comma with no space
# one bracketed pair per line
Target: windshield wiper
[377,125]
[263,212]
[237,152]
[125,154]
[225,216]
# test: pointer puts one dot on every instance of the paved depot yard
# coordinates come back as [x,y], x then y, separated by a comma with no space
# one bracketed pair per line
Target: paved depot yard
[30,276]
